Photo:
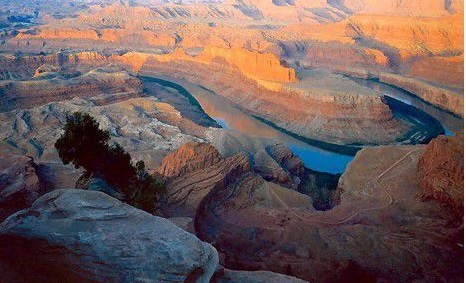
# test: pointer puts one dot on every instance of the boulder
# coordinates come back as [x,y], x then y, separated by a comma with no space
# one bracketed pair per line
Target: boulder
[88,236]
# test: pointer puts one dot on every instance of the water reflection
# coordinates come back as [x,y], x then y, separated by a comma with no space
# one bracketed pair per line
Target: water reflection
[450,122]
[236,121]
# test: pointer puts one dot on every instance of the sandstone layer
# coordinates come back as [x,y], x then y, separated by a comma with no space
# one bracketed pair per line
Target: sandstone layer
[49,87]
[401,38]
[195,170]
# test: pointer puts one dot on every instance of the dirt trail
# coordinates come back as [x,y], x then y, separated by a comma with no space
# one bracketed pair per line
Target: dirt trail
[355,213]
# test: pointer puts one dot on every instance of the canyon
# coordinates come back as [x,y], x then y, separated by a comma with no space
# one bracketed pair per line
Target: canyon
[297,141]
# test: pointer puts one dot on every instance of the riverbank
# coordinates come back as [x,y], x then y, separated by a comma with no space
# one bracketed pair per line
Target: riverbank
[251,128]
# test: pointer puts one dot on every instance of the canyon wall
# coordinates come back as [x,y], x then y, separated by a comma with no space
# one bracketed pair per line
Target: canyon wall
[27,94]
[258,225]
[259,67]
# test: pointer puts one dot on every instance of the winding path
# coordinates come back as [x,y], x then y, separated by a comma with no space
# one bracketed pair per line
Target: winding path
[355,213]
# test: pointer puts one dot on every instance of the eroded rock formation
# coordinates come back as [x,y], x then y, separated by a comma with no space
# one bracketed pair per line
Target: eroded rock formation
[442,168]
[20,184]
[195,169]
[50,86]
[380,219]
[191,173]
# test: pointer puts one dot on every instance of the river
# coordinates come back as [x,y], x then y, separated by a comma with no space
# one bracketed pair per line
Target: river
[316,155]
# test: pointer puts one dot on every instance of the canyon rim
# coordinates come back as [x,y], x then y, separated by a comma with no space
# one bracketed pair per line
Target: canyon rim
[231,141]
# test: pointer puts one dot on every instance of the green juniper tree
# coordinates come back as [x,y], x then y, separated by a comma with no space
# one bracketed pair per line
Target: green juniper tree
[86,146]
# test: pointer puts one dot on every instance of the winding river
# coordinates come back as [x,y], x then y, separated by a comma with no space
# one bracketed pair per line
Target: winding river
[316,155]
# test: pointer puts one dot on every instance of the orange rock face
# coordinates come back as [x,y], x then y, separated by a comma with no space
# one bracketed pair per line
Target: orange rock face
[192,172]
[441,168]
[255,65]
[189,157]
[261,67]
[444,70]
[60,34]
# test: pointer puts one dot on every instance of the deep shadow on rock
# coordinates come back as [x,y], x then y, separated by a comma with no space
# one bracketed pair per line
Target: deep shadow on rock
[20,184]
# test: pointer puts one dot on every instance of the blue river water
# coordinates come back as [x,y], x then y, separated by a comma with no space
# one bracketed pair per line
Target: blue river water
[317,155]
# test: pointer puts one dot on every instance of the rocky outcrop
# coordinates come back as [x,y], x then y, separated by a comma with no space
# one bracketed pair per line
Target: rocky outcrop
[20,184]
[444,98]
[265,69]
[191,173]
[188,158]
[254,65]
[230,276]
[195,169]
[26,94]
[441,168]
[85,236]
[379,219]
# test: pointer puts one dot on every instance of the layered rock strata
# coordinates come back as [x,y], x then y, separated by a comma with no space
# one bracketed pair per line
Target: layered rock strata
[42,90]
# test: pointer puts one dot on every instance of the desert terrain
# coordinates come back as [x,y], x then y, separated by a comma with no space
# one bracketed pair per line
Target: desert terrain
[297,141]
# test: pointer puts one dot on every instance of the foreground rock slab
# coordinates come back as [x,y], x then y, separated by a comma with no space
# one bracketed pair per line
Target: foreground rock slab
[231,276]
[87,236]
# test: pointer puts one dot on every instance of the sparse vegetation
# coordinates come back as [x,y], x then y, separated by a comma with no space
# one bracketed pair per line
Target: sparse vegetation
[86,146]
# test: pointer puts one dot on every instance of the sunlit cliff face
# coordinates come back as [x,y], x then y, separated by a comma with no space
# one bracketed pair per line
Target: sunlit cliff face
[259,51]
[403,37]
